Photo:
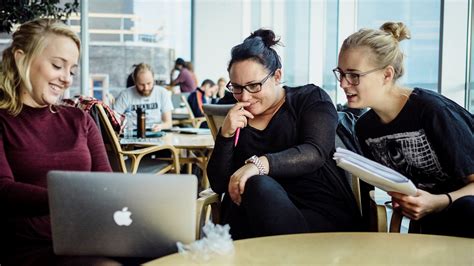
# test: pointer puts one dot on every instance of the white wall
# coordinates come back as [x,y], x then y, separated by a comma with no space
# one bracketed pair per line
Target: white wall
[219,26]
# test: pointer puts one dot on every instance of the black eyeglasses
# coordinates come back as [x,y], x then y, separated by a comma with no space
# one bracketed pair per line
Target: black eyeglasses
[252,87]
[351,77]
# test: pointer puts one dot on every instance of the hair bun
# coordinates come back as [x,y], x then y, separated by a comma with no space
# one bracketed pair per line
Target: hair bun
[398,30]
[268,37]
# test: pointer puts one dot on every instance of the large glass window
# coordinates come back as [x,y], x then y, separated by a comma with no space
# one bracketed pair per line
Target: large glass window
[296,38]
[423,20]
[331,50]
[127,32]
[470,87]
[124,33]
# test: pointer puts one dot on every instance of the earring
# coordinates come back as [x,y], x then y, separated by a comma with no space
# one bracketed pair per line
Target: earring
[52,109]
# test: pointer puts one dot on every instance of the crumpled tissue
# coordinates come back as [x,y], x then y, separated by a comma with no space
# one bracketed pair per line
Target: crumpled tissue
[216,241]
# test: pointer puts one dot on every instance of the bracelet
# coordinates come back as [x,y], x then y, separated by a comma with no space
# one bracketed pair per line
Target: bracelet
[256,161]
[450,199]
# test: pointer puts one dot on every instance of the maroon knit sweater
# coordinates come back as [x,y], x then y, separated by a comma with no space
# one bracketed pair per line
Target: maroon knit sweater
[31,144]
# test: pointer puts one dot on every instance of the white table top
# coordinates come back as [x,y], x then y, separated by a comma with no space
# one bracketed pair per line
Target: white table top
[341,249]
[178,140]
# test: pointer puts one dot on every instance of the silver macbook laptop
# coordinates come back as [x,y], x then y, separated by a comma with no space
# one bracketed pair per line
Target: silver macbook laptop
[125,215]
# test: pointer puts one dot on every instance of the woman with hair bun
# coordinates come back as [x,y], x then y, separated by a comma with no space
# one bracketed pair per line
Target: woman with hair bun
[273,155]
[419,133]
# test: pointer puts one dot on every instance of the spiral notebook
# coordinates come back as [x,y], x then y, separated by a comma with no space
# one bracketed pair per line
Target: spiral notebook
[374,173]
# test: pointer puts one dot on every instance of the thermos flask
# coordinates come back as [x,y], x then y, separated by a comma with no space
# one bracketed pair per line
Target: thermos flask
[141,119]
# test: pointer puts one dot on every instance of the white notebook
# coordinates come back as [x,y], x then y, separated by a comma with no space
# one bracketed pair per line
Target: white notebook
[374,173]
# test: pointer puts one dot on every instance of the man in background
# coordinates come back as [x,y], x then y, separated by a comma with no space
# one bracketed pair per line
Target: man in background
[207,93]
[155,100]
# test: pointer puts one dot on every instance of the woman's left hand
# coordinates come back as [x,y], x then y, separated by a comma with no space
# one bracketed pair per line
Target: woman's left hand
[416,207]
[238,179]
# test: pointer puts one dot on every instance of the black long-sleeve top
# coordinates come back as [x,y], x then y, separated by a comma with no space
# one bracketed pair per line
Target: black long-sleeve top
[299,143]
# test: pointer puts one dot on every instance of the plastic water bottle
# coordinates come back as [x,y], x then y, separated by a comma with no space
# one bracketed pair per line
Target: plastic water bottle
[128,131]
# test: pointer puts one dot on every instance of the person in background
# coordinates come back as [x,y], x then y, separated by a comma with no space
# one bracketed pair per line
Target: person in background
[37,136]
[130,82]
[189,66]
[221,89]
[207,93]
[273,155]
[419,133]
[185,79]
[173,75]
[225,96]
[154,99]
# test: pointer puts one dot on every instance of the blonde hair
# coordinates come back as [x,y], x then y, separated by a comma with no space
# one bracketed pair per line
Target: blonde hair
[31,38]
[140,68]
[383,44]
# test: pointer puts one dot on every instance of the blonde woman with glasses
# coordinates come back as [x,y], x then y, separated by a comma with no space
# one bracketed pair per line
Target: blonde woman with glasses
[417,132]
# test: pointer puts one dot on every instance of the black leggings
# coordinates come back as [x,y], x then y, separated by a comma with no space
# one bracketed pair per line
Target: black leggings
[457,220]
[266,209]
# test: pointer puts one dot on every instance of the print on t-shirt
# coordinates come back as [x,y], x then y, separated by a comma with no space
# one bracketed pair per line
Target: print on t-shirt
[144,106]
[411,154]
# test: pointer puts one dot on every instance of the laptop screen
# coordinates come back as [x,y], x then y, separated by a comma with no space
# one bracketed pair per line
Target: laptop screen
[116,214]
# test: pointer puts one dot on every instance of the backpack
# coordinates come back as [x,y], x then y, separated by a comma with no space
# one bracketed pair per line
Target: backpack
[86,103]
[346,131]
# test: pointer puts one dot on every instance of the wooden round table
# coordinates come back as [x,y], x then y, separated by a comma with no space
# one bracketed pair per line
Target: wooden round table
[341,249]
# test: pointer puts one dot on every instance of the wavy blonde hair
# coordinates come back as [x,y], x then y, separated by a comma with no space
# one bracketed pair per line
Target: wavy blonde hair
[383,44]
[30,38]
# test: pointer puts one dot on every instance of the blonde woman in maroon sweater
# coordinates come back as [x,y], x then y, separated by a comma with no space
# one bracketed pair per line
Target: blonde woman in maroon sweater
[36,137]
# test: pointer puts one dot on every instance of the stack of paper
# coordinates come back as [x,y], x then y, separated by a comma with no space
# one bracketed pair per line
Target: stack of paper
[191,130]
[374,173]
[144,141]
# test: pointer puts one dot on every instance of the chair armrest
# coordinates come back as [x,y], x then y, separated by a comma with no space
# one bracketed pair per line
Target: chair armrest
[207,198]
[147,150]
[137,155]
[381,217]
[378,216]
[396,222]
[198,121]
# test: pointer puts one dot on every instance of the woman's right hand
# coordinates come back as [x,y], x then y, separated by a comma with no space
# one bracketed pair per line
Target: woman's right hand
[236,118]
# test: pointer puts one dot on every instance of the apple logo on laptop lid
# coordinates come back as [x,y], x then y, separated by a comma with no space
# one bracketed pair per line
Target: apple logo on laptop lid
[122,217]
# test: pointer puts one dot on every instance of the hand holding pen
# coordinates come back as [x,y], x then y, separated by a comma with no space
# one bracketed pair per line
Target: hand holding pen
[236,118]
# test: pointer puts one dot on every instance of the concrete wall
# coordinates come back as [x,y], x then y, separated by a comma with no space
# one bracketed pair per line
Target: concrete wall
[117,61]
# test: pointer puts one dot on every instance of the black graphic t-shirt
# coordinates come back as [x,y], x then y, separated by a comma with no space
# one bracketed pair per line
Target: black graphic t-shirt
[431,141]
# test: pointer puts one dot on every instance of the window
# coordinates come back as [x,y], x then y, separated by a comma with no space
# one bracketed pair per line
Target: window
[296,42]
[124,33]
[331,50]
[470,87]
[422,50]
